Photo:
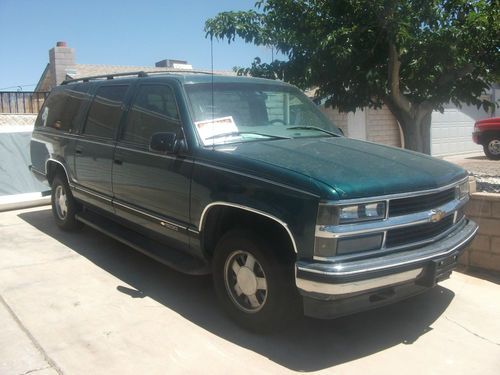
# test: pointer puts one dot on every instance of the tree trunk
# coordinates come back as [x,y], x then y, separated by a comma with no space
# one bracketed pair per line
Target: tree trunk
[416,126]
[425,133]
[417,133]
[414,118]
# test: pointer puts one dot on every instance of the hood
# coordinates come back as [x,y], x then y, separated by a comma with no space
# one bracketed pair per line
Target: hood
[354,169]
[488,124]
[492,120]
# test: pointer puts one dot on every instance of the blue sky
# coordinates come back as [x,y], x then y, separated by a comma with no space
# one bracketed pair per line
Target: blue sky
[114,32]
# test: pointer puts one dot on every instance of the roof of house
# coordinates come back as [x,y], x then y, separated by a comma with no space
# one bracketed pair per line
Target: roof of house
[90,70]
[44,81]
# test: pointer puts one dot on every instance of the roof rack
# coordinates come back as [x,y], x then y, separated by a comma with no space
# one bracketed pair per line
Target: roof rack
[182,71]
[140,74]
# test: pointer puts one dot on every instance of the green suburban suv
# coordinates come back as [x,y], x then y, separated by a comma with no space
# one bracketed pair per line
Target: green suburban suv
[246,179]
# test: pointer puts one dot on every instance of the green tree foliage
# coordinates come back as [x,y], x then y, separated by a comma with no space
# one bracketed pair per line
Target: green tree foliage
[412,55]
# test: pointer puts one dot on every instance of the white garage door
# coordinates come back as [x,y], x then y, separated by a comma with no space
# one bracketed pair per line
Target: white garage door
[451,131]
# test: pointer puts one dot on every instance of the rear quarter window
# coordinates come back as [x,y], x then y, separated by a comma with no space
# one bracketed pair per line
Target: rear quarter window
[63,108]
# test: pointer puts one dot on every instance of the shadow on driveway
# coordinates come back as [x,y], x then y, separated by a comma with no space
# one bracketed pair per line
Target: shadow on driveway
[481,157]
[308,345]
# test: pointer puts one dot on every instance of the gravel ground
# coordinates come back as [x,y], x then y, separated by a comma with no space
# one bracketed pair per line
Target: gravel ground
[486,172]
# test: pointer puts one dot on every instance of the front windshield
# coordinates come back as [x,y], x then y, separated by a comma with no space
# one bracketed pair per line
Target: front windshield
[242,112]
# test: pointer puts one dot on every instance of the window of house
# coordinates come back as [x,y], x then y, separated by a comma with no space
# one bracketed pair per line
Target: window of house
[154,111]
[106,111]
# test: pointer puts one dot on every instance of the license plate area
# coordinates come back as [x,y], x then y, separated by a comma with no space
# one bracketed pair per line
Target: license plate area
[438,270]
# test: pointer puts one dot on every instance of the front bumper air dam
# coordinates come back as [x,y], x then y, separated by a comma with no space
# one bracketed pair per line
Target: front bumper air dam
[334,289]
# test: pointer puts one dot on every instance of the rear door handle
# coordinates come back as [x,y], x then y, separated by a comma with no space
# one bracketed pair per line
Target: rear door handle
[78,150]
[118,161]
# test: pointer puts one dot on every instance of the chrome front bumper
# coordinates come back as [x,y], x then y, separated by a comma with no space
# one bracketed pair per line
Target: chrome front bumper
[331,281]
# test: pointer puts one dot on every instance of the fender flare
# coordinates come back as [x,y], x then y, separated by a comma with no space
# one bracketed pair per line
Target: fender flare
[249,209]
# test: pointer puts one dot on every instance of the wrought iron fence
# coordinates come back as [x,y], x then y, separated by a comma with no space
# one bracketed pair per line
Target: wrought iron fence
[21,101]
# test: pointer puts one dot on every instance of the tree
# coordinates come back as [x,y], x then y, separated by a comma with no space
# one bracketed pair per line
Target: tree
[412,55]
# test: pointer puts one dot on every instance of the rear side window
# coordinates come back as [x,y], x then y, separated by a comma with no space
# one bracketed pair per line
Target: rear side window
[105,111]
[63,108]
[154,111]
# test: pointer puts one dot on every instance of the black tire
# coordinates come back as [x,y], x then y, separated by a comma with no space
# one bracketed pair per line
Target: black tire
[261,295]
[64,206]
[492,148]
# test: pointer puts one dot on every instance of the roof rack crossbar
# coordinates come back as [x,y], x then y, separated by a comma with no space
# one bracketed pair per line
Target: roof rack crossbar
[181,71]
[140,74]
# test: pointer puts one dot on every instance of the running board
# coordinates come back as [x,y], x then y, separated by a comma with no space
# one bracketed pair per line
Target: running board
[175,259]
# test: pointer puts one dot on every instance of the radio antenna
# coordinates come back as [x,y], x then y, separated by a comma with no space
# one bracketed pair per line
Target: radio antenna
[212,86]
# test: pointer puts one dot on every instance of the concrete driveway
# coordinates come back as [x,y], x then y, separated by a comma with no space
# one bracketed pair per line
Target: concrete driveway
[84,304]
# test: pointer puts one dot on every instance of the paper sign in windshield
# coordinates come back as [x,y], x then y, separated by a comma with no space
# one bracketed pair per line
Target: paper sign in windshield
[213,127]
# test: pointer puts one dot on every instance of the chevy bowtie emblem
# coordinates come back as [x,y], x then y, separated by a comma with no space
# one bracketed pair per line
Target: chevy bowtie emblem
[436,215]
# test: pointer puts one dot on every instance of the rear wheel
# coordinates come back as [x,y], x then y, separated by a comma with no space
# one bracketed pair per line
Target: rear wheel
[64,206]
[492,148]
[253,283]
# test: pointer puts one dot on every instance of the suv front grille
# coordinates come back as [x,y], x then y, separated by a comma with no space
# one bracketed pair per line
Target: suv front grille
[404,206]
[409,223]
[417,233]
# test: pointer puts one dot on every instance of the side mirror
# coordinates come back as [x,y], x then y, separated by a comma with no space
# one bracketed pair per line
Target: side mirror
[166,143]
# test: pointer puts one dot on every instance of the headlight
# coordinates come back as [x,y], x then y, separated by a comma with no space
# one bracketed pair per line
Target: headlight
[333,215]
[361,212]
[462,190]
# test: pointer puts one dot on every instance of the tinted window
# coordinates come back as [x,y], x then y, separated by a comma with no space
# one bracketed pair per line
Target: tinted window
[105,112]
[62,110]
[154,111]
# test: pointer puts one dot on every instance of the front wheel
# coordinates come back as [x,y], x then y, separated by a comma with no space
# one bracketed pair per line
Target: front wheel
[253,283]
[492,148]
[64,206]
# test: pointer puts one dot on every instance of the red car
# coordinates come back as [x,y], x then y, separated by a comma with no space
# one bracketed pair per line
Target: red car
[487,134]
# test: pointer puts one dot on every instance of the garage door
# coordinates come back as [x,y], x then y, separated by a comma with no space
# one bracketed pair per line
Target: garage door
[451,131]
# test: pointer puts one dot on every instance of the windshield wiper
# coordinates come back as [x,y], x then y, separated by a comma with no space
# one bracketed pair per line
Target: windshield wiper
[298,127]
[222,135]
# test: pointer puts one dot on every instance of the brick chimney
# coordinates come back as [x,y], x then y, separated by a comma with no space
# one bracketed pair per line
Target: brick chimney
[62,60]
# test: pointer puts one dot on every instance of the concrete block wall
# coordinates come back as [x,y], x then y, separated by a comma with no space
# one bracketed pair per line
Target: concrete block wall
[484,252]
[382,127]
[10,120]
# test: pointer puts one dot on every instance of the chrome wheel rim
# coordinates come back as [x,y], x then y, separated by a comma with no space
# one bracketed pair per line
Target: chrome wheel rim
[494,146]
[245,281]
[61,202]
